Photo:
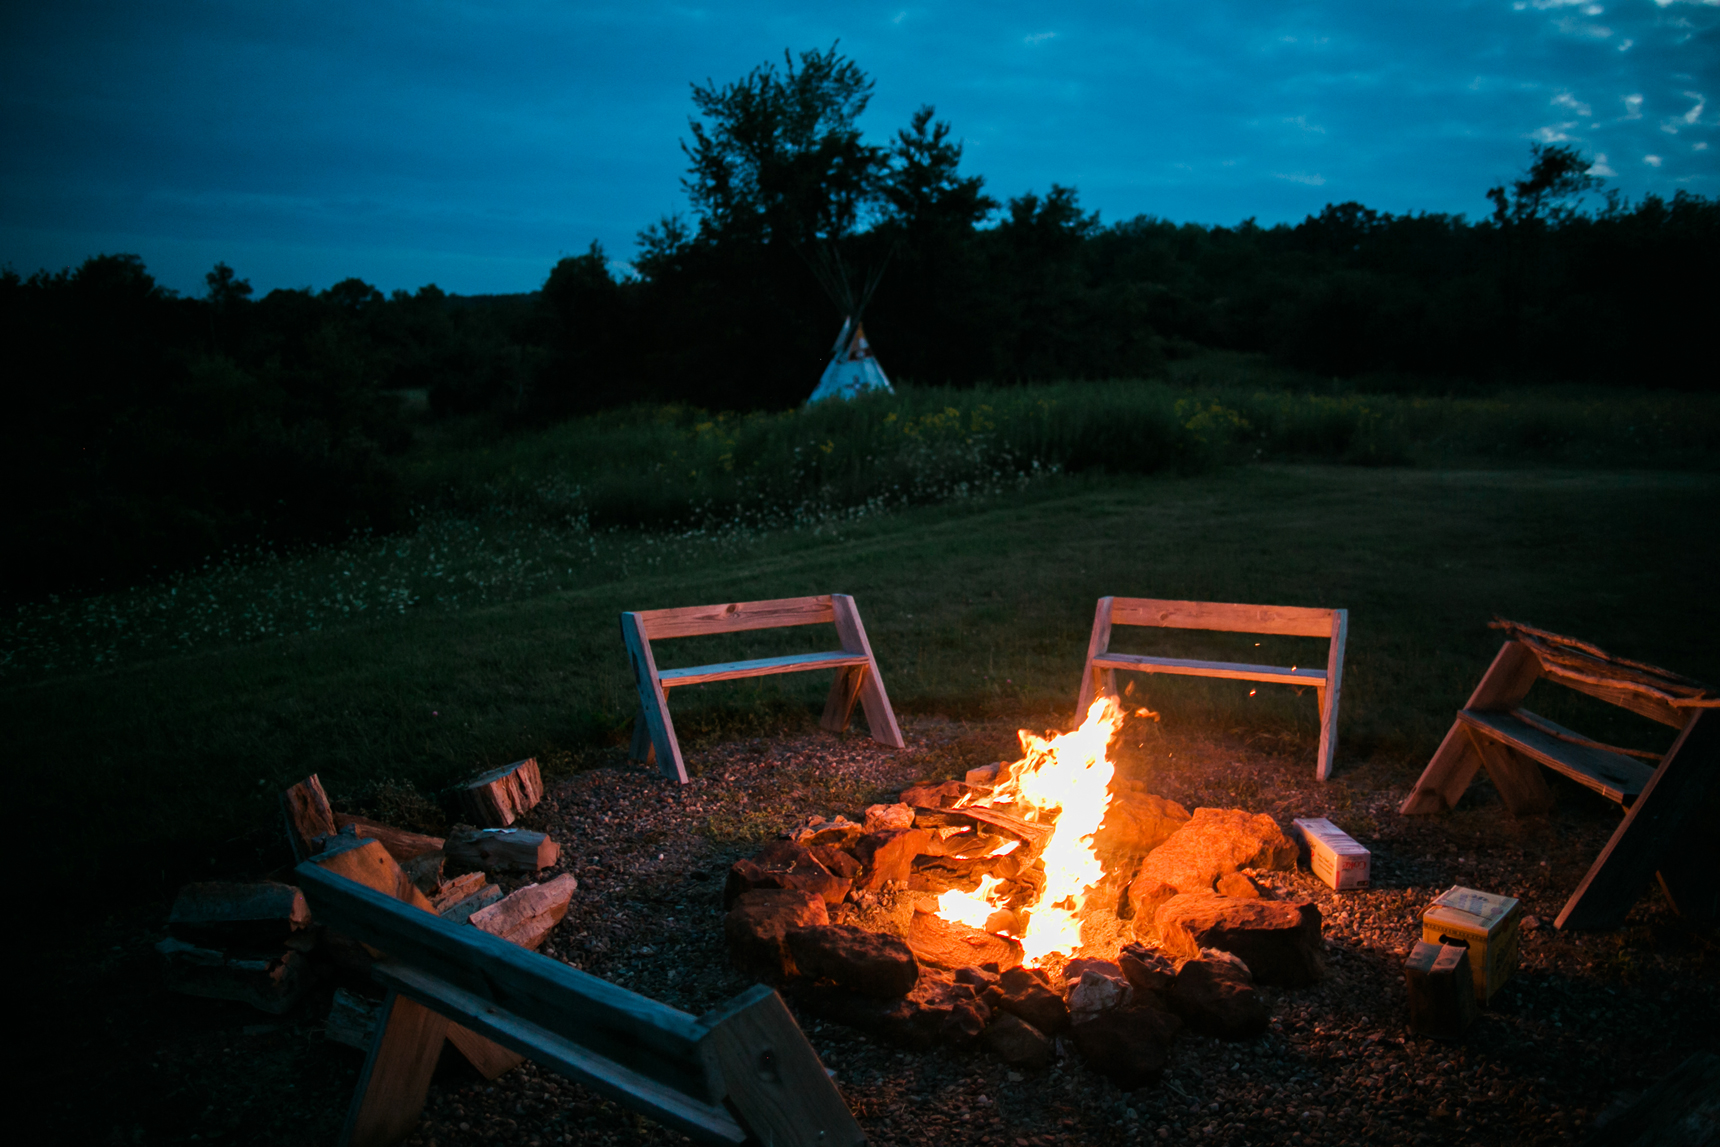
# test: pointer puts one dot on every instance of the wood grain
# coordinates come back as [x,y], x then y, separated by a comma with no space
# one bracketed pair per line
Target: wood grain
[1519,781]
[735,617]
[653,699]
[760,667]
[1616,777]
[1224,617]
[1096,681]
[874,701]
[1328,697]
[772,1074]
[501,796]
[1236,671]
[308,815]
[396,1077]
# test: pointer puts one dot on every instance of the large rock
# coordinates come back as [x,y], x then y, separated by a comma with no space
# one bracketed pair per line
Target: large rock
[871,963]
[938,1010]
[1136,823]
[838,833]
[888,855]
[1280,942]
[785,864]
[1129,1045]
[757,923]
[1098,991]
[1149,970]
[1214,994]
[1214,842]
[1027,993]
[1017,1042]
[880,817]
[1141,901]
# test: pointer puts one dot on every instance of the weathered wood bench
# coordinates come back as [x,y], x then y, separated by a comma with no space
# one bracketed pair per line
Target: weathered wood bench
[1100,675]
[742,1074]
[1662,792]
[857,677]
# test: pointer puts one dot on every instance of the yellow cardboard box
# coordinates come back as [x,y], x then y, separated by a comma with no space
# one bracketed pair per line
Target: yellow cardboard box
[1483,922]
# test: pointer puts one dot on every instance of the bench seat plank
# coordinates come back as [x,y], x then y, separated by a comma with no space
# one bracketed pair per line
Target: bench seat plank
[1616,777]
[761,667]
[704,1122]
[1228,669]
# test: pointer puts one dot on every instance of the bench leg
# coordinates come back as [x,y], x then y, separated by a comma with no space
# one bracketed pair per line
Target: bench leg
[653,699]
[1655,833]
[642,749]
[1096,682]
[880,718]
[1328,696]
[1518,779]
[490,1059]
[844,693]
[396,1076]
[1453,766]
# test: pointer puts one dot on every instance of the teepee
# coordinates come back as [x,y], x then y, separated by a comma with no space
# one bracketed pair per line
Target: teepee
[853,368]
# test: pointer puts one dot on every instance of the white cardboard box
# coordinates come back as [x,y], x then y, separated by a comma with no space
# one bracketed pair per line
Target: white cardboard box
[1332,854]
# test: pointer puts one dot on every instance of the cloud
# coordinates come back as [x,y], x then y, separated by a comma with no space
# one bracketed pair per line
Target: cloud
[1626,45]
[1600,167]
[1699,146]
[899,17]
[1694,115]
[1301,121]
[1632,107]
[1039,37]
[1554,133]
[1651,160]
[1301,177]
[1670,3]
[1574,27]
[1567,100]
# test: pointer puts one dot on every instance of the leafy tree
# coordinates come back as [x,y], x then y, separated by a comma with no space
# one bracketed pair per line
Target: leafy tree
[923,186]
[1557,174]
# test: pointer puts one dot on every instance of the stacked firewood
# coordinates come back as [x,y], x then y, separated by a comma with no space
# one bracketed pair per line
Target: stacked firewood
[258,943]
[843,914]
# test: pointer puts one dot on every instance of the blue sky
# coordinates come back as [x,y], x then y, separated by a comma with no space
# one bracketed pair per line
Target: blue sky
[471,145]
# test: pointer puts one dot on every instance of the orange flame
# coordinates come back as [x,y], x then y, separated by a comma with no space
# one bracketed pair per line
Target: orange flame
[1067,777]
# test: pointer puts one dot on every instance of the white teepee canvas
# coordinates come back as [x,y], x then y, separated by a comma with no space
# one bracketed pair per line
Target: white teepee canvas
[853,369]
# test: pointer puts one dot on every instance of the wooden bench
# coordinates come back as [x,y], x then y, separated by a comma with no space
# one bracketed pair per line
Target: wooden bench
[1662,792]
[857,677]
[744,1073]
[1100,675]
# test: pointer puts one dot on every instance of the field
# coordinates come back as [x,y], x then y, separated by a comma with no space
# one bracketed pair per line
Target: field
[396,667]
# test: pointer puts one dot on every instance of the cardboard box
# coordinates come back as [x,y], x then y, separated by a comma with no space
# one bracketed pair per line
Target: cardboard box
[1484,923]
[1334,857]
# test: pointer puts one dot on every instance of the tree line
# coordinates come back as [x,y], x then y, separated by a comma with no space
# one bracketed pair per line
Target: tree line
[149,429]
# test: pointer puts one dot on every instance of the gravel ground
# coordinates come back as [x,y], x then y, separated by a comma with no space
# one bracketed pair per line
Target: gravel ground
[1587,1022]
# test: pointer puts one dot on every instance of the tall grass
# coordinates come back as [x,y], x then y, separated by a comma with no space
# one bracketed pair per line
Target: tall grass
[615,495]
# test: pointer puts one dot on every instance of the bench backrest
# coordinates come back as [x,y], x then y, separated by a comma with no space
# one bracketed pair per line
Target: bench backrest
[710,1061]
[1287,620]
[735,617]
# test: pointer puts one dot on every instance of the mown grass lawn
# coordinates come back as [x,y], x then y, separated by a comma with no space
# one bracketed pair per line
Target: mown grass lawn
[978,611]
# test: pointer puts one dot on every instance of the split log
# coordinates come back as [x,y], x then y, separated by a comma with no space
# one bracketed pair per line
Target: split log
[363,859]
[945,944]
[453,891]
[308,816]
[258,917]
[502,796]
[461,910]
[425,871]
[525,917]
[1032,836]
[401,845]
[501,849]
[352,1020]
[270,983]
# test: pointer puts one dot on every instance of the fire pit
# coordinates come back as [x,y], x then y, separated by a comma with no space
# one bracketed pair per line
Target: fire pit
[1041,899]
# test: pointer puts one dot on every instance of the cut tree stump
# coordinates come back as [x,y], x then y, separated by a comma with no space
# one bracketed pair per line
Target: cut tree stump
[501,849]
[502,796]
[308,816]
[525,917]
[366,861]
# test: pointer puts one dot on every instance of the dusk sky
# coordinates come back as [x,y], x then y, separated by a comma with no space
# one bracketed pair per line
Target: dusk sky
[471,145]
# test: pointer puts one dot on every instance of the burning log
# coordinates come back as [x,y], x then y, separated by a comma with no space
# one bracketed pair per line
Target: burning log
[525,917]
[308,816]
[501,849]
[256,917]
[946,944]
[501,796]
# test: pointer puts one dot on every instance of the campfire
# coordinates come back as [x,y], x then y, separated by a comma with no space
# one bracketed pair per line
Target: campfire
[1045,897]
